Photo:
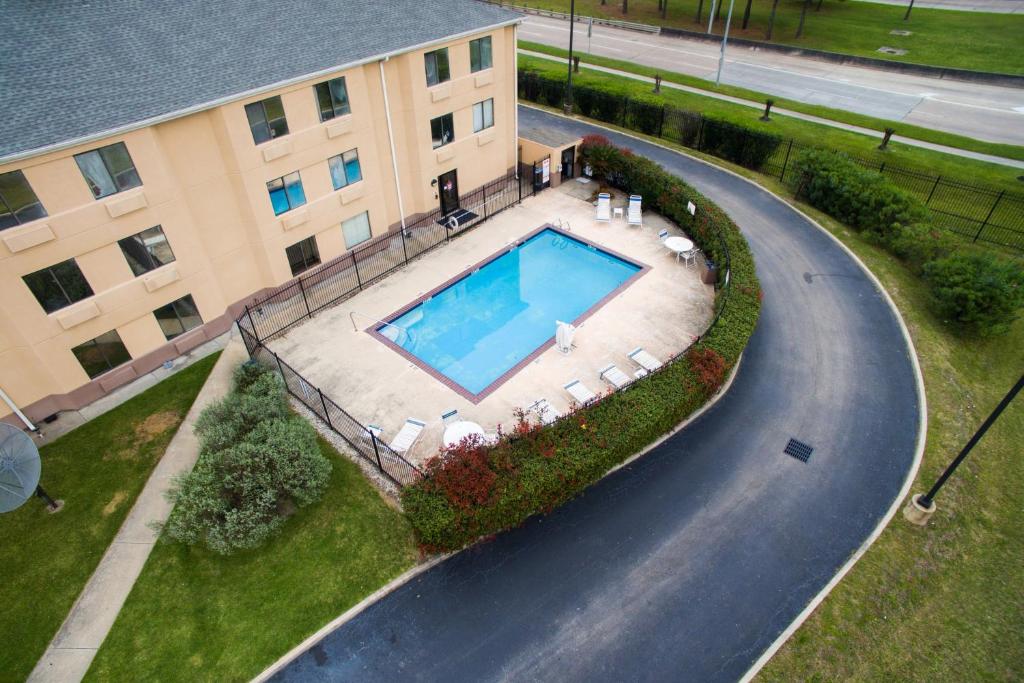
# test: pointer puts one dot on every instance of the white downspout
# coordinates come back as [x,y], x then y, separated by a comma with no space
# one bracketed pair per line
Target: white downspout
[391,142]
[17,411]
[515,94]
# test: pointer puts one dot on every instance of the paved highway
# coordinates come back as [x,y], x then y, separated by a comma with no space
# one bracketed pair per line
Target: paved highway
[985,112]
[689,562]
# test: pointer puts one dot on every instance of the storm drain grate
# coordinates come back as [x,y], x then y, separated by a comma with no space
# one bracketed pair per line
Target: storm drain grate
[798,449]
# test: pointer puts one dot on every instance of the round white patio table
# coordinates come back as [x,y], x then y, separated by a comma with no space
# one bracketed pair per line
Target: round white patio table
[457,431]
[678,244]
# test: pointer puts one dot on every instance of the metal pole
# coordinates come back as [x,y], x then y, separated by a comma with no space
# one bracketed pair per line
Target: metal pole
[51,504]
[989,216]
[323,402]
[725,39]
[567,104]
[302,289]
[256,334]
[926,500]
[711,17]
[373,440]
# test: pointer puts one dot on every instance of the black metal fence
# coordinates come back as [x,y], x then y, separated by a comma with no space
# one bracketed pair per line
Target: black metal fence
[976,212]
[349,274]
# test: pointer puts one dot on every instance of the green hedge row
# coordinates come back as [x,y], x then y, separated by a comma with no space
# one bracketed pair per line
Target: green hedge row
[476,490]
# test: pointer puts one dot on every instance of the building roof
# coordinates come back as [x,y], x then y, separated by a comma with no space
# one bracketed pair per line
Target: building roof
[75,69]
[548,136]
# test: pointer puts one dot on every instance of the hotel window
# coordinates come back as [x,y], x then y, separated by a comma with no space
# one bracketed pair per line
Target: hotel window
[108,170]
[18,203]
[303,255]
[345,169]
[356,229]
[103,353]
[266,119]
[483,115]
[436,63]
[178,317]
[59,285]
[147,250]
[332,98]
[442,130]
[286,193]
[480,54]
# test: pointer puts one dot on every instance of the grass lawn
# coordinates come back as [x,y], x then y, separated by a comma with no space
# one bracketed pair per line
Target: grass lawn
[965,40]
[923,160]
[98,470]
[194,615]
[862,120]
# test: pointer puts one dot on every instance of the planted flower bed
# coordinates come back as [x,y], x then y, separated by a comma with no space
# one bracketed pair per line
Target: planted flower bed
[478,490]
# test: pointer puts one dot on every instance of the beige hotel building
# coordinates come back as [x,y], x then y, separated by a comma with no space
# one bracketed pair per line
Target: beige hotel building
[161,164]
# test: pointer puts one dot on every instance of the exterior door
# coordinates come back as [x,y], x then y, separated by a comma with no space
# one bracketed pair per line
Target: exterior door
[448,191]
[568,163]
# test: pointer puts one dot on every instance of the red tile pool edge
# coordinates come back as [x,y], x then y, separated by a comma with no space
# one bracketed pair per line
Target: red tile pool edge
[508,374]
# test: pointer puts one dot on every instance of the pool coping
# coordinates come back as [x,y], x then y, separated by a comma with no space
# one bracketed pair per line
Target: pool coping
[532,356]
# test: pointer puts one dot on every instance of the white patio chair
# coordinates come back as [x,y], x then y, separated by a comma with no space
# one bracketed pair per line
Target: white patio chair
[644,359]
[580,392]
[407,435]
[604,207]
[633,216]
[544,411]
[611,374]
[690,257]
[449,417]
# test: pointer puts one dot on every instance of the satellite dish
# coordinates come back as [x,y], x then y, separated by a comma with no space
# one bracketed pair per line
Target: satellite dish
[19,470]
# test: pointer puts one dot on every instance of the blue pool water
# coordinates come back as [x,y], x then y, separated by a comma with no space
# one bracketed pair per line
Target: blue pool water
[478,328]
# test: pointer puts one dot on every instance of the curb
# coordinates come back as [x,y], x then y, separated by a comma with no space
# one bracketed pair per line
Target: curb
[922,407]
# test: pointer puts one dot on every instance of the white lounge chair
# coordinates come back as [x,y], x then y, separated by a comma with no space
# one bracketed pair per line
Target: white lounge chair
[407,435]
[633,216]
[604,207]
[644,359]
[449,417]
[611,374]
[580,392]
[544,411]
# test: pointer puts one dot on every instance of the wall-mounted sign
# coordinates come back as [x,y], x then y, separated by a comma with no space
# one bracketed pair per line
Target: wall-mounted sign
[691,207]
[546,170]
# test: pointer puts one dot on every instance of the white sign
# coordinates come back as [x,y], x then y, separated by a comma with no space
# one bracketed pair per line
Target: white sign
[546,169]
[691,208]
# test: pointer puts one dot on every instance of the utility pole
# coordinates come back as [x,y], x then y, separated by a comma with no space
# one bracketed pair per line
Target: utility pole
[725,38]
[567,105]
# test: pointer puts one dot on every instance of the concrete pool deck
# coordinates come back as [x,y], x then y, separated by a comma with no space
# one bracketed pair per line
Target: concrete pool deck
[661,311]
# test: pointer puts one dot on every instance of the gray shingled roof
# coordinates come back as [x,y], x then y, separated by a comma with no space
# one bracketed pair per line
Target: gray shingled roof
[74,68]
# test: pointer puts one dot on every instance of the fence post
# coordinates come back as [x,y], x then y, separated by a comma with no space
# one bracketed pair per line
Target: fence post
[700,134]
[373,440]
[327,415]
[485,201]
[280,369]
[405,252]
[782,176]
[661,123]
[930,194]
[255,334]
[990,212]
[302,288]
[625,106]
[881,169]
[355,265]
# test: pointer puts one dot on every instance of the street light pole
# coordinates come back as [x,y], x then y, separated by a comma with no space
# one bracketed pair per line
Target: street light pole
[567,105]
[725,38]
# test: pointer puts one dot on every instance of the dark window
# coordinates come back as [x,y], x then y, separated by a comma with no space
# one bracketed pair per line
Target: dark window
[147,250]
[266,119]
[332,98]
[18,203]
[178,317]
[286,193]
[345,169]
[103,353]
[303,255]
[436,63]
[59,285]
[480,54]
[108,170]
[442,130]
[483,115]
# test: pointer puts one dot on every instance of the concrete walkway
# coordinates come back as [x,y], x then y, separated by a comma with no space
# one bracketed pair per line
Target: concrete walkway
[71,651]
[956,151]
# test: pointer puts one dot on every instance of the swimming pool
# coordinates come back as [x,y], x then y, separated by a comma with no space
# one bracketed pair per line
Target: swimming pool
[477,330]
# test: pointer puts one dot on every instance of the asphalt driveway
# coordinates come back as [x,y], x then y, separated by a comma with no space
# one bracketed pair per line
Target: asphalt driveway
[688,563]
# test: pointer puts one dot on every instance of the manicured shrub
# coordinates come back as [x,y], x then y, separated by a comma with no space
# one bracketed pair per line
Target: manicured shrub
[862,199]
[979,293]
[257,460]
[476,491]
[918,244]
[746,147]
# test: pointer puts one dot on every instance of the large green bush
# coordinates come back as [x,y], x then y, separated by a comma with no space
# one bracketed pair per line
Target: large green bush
[478,490]
[863,199]
[257,460]
[978,293]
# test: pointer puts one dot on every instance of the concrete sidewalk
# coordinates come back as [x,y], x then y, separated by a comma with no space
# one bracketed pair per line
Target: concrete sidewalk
[71,651]
[781,111]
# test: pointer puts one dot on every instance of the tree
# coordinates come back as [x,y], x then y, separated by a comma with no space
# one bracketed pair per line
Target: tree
[746,14]
[803,14]
[664,9]
[625,6]
[700,8]
[771,19]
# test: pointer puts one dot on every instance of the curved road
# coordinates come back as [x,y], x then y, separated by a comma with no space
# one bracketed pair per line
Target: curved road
[688,563]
